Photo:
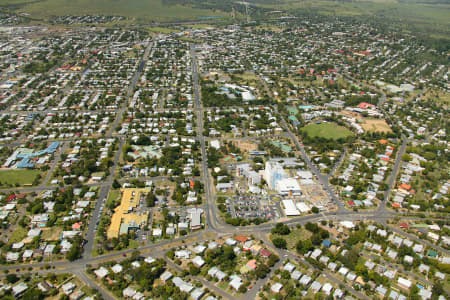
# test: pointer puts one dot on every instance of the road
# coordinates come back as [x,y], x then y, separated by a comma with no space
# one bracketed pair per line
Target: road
[212,213]
[394,173]
[99,205]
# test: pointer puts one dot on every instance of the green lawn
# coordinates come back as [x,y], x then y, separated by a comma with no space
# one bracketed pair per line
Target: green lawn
[113,198]
[327,130]
[162,29]
[20,177]
[295,236]
[18,234]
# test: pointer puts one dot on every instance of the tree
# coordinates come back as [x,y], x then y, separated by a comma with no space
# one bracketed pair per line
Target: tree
[151,199]
[143,140]
[313,227]
[316,239]
[303,246]
[116,184]
[33,294]
[437,290]
[279,243]
[193,270]
[261,271]
[315,210]
[281,229]
[12,278]
[406,157]
[242,289]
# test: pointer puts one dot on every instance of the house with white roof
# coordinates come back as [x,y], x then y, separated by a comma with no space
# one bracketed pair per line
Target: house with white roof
[289,267]
[305,280]
[316,286]
[296,275]
[404,283]
[166,276]
[276,288]
[198,261]
[101,272]
[235,282]
[327,288]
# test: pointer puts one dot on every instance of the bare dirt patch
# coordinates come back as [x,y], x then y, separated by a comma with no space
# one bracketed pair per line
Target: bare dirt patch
[378,125]
[369,124]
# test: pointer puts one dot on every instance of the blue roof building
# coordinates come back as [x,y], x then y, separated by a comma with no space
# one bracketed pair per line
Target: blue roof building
[326,243]
[25,163]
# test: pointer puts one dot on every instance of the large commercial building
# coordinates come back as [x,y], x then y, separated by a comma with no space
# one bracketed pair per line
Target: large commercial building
[288,186]
[278,180]
[273,172]
[126,216]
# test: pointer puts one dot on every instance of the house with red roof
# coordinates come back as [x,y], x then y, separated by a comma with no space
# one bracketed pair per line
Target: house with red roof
[77,226]
[265,253]
[252,264]
[241,238]
[403,225]
[365,105]
[404,186]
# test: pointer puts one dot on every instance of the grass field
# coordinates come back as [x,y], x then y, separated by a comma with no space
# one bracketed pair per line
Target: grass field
[113,198]
[20,177]
[18,234]
[52,233]
[247,76]
[295,236]
[161,30]
[139,9]
[327,130]
[440,97]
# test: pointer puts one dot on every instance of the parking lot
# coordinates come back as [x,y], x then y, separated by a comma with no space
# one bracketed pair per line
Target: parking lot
[252,207]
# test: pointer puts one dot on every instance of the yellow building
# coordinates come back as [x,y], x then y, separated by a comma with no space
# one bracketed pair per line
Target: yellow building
[125,215]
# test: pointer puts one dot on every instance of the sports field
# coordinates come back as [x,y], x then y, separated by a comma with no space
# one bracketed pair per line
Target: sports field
[327,131]
[20,177]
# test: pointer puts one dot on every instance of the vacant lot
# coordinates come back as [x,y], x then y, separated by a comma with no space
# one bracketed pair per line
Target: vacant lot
[52,233]
[296,235]
[375,125]
[440,97]
[17,177]
[18,234]
[327,130]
